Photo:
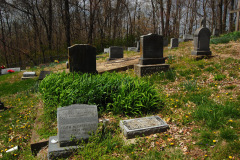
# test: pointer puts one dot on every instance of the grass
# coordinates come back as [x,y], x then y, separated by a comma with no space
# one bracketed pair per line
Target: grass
[234,36]
[200,101]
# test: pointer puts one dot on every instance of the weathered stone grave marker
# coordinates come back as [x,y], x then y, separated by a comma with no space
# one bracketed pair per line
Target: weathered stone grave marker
[75,123]
[82,58]
[215,32]
[5,71]
[28,75]
[151,59]
[115,53]
[143,126]
[43,74]
[202,40]
[106,50]
[174,43]
[132,49]
[187,37]
[138,46]
[165,41]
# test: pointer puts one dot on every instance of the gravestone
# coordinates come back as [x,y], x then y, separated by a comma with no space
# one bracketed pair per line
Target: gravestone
[165,42]
[115,53]
[43,74]
[82,58]
[106,50]
[151,60]
[138,46]
[132,49]
[28,75]
[75,123]
[187,37]
[174,43]
[143,126]
[202,40]
[215,32]
[67,64]
[4,71]
[1,106]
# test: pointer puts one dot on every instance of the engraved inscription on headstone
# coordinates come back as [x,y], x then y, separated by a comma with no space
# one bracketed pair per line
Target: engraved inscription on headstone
[76,121]
[143,126]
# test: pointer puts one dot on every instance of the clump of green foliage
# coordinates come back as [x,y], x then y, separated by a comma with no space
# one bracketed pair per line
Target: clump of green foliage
[111,92]
[234,36]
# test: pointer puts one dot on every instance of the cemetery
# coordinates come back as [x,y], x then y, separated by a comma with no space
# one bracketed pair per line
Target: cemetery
[152,87]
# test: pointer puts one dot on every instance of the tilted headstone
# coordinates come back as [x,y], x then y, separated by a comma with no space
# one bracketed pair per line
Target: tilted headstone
[115,53]
[5,71]
[43,74]
[132,49]
[215,32]
[82,58]
[143,126]
[75,123]
[106,50]
[202,40]
[151,59]
[174,43]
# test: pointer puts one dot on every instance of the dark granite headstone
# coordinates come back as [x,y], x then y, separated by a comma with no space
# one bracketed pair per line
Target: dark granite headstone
[115,53]
[82,58]
[75,123]
[43,74]
[202,40]
[151,59]
[174,43]
[143,126]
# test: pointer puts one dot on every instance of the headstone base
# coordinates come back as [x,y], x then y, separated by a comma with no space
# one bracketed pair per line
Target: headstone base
[143,70]
[143,126]
[55,152]
[172,47]
[24,78]
[201,53]
[150,61]
[111,59]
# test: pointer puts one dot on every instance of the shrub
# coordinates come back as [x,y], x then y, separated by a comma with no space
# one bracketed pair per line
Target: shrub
[234,36]
[118,93]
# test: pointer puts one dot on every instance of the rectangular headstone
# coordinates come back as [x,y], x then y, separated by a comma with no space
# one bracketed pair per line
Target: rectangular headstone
[29,74]
[76,122]
[174,43]
[187,37]
[43,74]
[82,58]
[143,126]
[106,50]
[165,42]
[115,52]
[132,49]
[138,46]
[4,71]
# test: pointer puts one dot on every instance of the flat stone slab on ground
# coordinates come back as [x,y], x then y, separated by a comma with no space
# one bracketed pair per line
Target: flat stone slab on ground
[143,126]
[29,74]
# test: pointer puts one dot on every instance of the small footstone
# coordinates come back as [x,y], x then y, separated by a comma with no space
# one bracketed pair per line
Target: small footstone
[143,126]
